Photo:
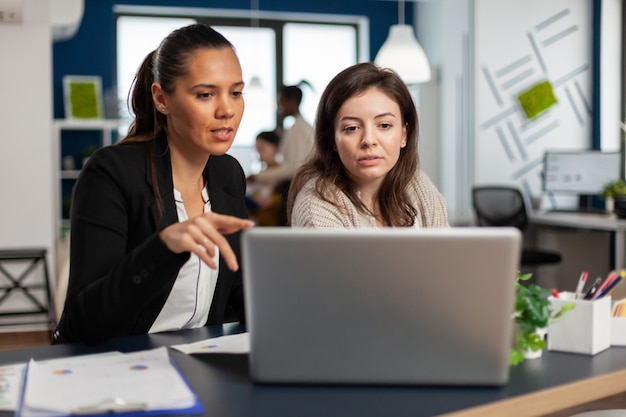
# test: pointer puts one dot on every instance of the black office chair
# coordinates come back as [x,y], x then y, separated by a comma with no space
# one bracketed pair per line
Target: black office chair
[498,206]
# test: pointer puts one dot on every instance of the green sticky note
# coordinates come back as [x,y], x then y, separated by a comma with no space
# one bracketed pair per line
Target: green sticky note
[537,99]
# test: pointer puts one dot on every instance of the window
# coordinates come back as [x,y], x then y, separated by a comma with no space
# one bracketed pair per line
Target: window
[132,49]
[256,49]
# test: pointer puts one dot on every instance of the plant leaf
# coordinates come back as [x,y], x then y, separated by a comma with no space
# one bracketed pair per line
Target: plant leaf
[515,357]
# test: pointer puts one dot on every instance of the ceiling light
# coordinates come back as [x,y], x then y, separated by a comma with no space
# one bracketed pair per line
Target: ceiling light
[402,53]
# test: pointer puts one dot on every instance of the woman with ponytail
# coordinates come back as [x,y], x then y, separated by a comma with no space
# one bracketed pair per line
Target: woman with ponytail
[155,219]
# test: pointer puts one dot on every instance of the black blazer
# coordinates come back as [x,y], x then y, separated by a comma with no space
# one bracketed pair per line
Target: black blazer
[121,273]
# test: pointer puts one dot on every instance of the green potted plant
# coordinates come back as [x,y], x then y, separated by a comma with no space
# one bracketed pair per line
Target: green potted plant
[533,311]
[611,192]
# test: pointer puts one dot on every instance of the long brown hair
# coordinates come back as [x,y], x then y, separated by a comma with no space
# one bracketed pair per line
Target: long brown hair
[164,65]
[325,165]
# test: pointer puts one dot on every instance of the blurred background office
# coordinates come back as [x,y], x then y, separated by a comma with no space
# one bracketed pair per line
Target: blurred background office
[486,58]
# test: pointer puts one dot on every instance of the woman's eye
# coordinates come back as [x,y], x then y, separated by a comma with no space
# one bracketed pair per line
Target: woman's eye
[385,125]
[237,93]
[349,129]
[204,95]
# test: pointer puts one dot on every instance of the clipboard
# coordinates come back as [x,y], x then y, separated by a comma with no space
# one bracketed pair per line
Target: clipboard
[112,405]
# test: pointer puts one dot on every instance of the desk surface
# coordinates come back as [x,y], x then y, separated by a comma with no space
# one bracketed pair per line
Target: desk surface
[589,221]
[556,381]
[594,221]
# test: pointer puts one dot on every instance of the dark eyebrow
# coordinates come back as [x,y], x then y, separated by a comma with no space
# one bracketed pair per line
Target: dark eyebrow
[349,118]
[236,84]
[378,116]
[384,115]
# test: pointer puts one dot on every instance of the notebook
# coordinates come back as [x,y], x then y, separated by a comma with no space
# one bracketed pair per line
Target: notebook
[380,306]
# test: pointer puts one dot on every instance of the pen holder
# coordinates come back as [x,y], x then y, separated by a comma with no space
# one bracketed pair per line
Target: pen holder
[584,329]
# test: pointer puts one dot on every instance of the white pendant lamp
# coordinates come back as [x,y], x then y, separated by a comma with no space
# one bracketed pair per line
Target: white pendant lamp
[402,53]
[65,18]
[254,86]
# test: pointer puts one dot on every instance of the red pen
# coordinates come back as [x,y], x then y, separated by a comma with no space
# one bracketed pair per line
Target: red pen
[581,284]
[555,293]
[607,281]
[607,290]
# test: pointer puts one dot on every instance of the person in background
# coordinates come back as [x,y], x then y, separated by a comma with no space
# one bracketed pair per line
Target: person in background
[266,144]
[265,202]
[155,218]
[296,142]
[364,171]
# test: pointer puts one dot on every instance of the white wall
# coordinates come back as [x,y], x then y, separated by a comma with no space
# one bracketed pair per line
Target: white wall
[444,30]
[611,81]
[427,18]
[547,41]
[26,173]
[483,136]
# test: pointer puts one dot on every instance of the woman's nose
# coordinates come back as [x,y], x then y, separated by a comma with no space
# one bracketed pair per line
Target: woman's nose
[225,109]
[368,138]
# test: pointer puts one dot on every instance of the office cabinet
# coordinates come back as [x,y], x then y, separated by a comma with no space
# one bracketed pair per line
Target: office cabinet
[72,138]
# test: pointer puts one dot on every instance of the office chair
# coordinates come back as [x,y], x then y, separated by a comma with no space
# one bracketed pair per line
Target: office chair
[498,206]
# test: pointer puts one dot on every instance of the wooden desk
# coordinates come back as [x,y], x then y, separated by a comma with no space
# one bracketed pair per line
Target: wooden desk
[588,221]
[537,387]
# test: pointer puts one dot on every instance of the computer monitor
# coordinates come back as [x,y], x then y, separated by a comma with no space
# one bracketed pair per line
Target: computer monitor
[581,173]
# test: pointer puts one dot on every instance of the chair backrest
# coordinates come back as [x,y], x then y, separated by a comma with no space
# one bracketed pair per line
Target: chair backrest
[499,206]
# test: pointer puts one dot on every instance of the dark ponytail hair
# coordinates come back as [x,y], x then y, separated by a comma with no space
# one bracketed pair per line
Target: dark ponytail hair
[144,125]
[294,92]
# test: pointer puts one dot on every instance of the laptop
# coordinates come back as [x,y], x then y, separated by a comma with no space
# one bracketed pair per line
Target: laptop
[380,306]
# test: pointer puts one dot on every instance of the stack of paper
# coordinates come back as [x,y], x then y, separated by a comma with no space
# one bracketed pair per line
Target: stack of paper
[144,382]
[233,343]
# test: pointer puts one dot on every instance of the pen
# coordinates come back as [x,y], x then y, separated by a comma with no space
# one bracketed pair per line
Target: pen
[581,284]
[612,285]
[607,281]
[555,293]
[592,290]
[610,288]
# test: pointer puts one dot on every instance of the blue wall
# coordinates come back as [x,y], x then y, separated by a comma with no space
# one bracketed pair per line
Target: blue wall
[92,50]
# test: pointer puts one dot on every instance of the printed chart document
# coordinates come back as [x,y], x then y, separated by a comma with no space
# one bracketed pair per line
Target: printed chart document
[138,383]
[232,343]
[10,383]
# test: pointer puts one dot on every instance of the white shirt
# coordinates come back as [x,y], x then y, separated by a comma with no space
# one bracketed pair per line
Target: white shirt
[295,147]
[190,299]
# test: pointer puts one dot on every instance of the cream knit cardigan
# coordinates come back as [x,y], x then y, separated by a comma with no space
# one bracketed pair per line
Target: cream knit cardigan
[310,210]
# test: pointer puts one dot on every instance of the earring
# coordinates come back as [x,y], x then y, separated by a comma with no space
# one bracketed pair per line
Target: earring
[162,109]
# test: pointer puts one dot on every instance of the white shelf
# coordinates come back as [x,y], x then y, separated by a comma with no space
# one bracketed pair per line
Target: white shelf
[86,124]
[107,126]
[66,174]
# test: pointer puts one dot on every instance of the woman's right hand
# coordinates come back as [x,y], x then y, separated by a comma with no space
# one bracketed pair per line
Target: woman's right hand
[202,234]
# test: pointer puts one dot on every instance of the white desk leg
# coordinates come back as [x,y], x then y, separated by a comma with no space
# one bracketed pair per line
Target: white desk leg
[620,235]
